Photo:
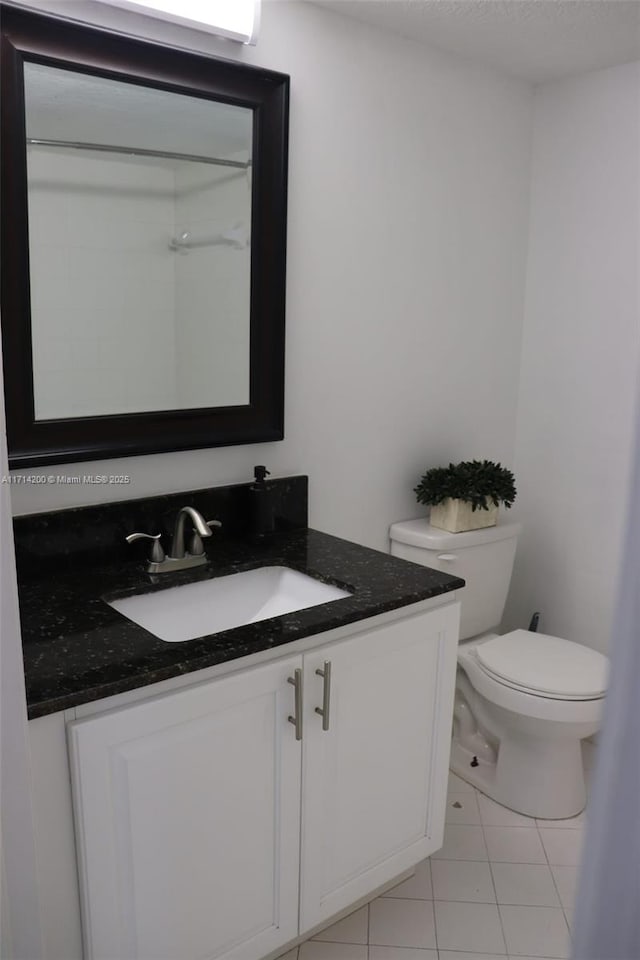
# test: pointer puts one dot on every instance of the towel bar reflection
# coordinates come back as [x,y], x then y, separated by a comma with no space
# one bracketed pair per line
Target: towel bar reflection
[235,237]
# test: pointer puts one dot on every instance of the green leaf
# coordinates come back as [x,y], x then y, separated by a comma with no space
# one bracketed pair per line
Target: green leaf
[479,482]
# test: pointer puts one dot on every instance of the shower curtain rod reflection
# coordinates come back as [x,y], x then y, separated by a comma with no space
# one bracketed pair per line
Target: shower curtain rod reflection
[140,152]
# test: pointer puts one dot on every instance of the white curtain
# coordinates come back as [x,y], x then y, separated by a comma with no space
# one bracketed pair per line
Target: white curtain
[607,919]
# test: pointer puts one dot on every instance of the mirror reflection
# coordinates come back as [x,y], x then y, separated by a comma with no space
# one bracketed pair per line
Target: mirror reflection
[140,246]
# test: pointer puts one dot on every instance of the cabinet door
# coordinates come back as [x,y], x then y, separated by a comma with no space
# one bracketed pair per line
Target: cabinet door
[374,783]
[187,813]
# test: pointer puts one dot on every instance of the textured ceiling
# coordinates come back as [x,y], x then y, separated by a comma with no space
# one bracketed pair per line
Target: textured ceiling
[535,40]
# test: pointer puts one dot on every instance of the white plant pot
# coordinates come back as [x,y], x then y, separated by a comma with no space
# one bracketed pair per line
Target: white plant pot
[457,516]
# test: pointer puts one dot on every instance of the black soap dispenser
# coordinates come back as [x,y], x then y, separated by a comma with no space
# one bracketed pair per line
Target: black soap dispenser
[261,511]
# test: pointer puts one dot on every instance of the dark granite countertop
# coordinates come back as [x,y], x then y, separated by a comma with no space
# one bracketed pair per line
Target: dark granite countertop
[78,649]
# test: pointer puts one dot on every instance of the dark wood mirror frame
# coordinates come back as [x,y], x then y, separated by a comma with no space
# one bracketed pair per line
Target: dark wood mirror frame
[60,43]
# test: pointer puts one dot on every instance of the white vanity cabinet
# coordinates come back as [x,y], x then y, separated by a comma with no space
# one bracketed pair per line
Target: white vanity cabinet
[187,821]
[375,781]
[205,829]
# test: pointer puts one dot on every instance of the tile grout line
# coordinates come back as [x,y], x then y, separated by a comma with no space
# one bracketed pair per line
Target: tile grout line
[564,913]
[493,882]
[548,864]
[433,903]
[507,863]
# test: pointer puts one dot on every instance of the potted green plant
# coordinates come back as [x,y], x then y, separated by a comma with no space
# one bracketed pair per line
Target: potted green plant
[466,495]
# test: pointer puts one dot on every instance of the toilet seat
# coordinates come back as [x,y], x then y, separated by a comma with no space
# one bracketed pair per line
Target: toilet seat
[544,666]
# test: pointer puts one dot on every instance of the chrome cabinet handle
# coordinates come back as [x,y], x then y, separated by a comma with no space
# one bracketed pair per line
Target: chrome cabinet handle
[296,680]
[325,673]
[157,553]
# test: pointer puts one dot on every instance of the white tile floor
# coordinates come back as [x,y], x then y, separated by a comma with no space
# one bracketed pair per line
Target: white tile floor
[501,888]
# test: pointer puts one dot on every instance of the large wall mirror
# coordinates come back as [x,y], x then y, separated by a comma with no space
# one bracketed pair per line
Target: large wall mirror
[143,245]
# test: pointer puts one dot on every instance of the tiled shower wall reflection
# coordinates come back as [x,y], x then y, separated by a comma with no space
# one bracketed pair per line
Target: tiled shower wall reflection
[102,283]
[122,322]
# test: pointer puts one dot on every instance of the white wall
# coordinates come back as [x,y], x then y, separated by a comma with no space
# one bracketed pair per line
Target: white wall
[579,354]
[408,208]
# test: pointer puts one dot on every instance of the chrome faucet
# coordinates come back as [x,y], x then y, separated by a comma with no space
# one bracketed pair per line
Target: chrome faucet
[180,557]
[200,529]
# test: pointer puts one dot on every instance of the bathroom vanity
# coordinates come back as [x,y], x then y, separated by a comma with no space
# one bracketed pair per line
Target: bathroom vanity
[228,795]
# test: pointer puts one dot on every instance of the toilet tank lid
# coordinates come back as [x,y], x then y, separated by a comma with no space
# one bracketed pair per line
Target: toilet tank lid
[420,533]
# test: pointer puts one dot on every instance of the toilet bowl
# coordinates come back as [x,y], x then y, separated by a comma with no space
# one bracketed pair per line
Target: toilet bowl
[524,701]
[533,698]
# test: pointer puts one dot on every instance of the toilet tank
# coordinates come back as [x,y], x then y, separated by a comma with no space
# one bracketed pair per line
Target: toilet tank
[483,558]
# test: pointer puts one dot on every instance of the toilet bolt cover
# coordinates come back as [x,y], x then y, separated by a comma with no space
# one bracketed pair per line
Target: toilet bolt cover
[545,665]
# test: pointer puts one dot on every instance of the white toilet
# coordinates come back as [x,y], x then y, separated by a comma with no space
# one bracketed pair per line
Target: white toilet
[524,700]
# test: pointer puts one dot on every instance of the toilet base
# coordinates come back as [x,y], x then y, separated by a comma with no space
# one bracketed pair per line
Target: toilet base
[523,772]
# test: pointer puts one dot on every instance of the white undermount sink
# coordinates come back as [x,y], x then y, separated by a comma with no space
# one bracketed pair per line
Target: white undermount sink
[200,609]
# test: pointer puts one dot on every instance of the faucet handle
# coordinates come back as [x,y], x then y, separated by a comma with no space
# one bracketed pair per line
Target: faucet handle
[196,546]
[157,553]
